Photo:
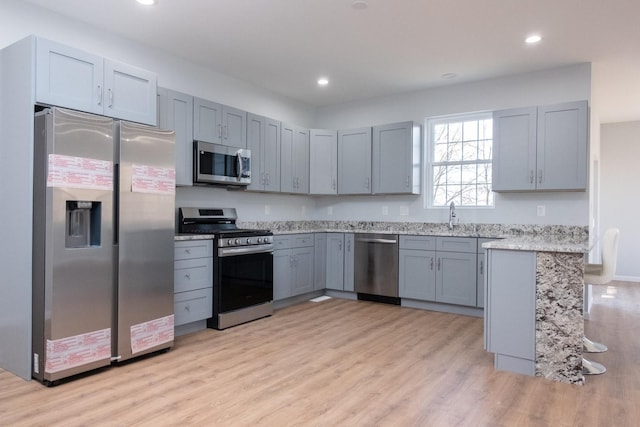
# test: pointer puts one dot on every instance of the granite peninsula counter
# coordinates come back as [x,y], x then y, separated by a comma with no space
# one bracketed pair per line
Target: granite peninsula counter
[534,305]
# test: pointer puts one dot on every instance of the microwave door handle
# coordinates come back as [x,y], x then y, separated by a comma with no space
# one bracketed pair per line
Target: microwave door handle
[239,160]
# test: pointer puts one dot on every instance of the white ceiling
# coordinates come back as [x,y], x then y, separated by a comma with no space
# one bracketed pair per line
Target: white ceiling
[391,46]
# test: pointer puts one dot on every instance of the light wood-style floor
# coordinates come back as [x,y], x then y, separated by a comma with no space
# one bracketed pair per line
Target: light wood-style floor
[345,363]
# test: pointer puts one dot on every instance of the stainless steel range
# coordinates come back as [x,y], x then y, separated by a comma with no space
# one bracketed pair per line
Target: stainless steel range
[242,265]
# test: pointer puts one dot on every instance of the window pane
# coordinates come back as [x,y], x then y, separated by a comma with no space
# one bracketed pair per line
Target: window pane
[470,150]
[469,195]
[485,196]
[455,132]
[484,173]
[439,175]
[455,152]
[440,133]
[486,129]
[453,175]
[453,194]
[469,174]
[440,153]
[439,196]
[470,131]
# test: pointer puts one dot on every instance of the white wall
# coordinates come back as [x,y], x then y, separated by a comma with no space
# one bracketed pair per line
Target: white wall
[539,88]
[619,202]
[19,19]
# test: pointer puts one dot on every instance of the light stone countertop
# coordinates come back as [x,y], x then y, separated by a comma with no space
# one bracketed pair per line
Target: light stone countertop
[524,237]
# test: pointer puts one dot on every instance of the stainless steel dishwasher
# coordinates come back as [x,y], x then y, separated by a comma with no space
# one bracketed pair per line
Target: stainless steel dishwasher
[376,267]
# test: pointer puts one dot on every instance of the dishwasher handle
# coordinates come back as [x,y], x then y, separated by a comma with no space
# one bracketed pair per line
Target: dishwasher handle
[387,241]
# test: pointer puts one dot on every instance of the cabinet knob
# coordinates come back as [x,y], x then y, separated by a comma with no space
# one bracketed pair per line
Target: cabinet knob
[187,276]
[187,308]
[438,264]
[531,177]
[110,98]
[188,251]
[99,94]
[539,176]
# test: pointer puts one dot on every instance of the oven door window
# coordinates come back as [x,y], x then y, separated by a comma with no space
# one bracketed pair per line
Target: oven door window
[245,280]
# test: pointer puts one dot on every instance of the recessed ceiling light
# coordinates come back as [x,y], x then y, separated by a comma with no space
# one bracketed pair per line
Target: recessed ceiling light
[147,2]
[323,81]
[449,75]
[359,4]
[534,38]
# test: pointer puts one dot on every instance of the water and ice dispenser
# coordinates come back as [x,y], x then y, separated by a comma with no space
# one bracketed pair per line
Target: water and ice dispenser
[83,225]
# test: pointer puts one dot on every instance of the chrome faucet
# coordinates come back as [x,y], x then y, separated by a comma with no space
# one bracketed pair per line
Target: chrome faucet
[452,215]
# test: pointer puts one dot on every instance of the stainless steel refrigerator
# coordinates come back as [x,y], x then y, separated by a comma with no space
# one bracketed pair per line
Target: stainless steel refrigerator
[103,242]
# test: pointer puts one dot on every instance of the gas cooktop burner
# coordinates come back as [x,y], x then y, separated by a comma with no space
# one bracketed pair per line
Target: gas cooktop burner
[220,222]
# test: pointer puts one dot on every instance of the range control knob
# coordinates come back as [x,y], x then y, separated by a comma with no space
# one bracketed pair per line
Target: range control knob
[237,241]
[259,239]
[230,241]
[248,241]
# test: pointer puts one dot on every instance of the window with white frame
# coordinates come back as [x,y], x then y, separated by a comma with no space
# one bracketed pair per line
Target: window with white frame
[460,150]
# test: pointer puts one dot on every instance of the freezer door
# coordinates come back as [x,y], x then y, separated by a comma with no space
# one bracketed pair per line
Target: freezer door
[72,243]
[145,235]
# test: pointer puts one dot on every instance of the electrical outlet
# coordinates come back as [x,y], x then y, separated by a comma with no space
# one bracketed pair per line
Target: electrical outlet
[385,210]
[330,210]
[542,211]
[267,209]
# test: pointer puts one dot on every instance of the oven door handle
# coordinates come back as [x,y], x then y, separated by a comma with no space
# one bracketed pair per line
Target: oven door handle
[245,250]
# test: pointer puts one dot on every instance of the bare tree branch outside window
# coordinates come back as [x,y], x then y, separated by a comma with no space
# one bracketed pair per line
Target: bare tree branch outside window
[461,161]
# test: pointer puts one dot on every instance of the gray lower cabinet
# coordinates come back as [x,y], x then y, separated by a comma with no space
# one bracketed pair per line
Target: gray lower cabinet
[510,309]
[293,265]
[193,281]
[441,269]
[340,261]
[320,261]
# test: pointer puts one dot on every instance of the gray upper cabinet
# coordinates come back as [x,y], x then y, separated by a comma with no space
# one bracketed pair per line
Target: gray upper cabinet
[219,124]
[396,158]
[71,78]
[323,170]
[294,160]
[541,148]
[354,161]
[263,139]
[176,113]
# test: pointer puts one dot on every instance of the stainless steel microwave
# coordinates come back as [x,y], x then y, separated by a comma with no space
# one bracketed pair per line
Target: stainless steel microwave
[221,164]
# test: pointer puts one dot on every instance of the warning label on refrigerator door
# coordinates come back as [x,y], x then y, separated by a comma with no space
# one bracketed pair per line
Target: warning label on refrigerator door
[151,179]
[152,333]
[78,350]
[79,172]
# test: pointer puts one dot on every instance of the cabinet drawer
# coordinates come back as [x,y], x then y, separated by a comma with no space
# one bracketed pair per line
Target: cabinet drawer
[302,240]
[424,243]
[289,241]
[192,306]
[192,274]
[457,244]
[193,249]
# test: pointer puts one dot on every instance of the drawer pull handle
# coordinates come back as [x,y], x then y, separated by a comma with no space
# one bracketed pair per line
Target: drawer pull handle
[187,308]
[188,276]
[188,251]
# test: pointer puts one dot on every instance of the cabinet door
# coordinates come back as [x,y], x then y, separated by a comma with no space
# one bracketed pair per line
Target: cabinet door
[482,269]
[303,272]
[394,168]
[511,303]
[131,93]
[282,274]
[255,143]
[349,259]
[335,261]
[176,113]
[320,261]
[286,159]
[301,161]
[323,170]
[354,161]
[456,278]
[207,121]
[234,127]
[562,147]
[271,155]
[514,149]
[417,274]
[68,77]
